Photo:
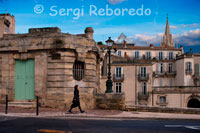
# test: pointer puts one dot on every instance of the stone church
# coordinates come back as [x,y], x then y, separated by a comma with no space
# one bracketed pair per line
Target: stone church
[47,63]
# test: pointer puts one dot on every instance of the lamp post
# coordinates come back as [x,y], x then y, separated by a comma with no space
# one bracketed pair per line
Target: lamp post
[109,82]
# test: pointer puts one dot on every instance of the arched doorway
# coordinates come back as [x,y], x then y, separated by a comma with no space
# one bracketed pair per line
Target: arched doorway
[193,103]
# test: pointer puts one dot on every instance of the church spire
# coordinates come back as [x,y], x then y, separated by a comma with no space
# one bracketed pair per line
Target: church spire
[167,38]
[167,29]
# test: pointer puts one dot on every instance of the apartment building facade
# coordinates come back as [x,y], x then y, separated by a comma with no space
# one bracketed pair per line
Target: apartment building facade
[159,76]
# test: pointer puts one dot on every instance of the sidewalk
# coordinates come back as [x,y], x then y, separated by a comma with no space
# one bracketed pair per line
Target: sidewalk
[95,114]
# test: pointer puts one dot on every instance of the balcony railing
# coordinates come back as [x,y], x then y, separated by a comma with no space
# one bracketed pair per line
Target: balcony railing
[196,75]
[143,77]
[159,73]
[143,96]
[171,73]
[160,58]
[118,77]
[188,71]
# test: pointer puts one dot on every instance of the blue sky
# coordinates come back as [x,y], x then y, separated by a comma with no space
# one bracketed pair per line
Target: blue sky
[184,19]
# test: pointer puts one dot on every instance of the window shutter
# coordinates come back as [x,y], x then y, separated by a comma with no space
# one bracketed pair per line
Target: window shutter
[164,67]
[157,67]
[168,55]
[173,67]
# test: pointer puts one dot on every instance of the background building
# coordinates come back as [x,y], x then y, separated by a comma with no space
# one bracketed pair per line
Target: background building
[161,76]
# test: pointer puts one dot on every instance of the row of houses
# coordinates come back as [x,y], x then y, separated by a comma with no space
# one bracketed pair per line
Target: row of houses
[161,76]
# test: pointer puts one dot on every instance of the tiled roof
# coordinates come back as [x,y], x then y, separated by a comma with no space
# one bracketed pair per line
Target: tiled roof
[132,47]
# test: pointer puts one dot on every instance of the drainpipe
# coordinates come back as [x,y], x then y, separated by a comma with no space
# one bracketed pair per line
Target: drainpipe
[136,85]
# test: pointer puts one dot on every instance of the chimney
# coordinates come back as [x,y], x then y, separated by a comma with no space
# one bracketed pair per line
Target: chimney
[181,47]
[151,45]
[89,33]
[125,44]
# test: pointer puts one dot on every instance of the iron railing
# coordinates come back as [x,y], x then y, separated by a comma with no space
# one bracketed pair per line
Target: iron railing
[143,95]
[118,77]
[188,71]
[143,77]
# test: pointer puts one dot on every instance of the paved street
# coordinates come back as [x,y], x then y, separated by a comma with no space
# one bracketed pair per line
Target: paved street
[63,124]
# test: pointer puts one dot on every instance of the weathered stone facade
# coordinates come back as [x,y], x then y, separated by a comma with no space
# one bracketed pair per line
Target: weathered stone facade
[54,54]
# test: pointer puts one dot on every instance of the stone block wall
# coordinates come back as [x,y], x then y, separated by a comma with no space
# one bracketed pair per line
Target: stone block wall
[110,101]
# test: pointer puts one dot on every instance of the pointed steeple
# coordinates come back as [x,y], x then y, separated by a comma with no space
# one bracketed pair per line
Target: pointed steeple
[167,37]
[167,29]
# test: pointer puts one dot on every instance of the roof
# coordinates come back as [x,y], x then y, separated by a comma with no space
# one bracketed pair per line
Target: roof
[5,14]
[133,47]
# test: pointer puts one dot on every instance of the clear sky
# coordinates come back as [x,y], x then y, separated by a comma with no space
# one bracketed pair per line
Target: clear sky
[184,18]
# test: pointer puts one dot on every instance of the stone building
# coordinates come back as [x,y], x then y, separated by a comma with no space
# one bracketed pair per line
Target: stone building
[154,76]
[47,63]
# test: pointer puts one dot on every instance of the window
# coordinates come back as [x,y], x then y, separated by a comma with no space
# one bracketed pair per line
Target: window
[119,53]
[118,87]
[171,55]
[160,55]
[163,99]
[170,69]
[118,72]
[144,88]
[161,68]
[143,71]
[137,54]
[148,55]
[189,66]
[78,70]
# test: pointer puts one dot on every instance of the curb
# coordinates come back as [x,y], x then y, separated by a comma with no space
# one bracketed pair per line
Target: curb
[95,117]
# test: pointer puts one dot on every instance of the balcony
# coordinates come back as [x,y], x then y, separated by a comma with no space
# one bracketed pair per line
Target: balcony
[143,96]
[196,75]
[160,58]
[171,73]
[188,71]
[118,77]
[143,77]
[158,73]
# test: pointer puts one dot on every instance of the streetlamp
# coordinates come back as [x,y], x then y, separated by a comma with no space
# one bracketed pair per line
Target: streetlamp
[109,82]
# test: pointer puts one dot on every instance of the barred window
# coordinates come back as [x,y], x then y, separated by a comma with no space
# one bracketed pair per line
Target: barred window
[78,70]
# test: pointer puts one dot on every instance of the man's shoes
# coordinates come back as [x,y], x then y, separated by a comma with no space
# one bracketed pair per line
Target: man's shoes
[82,111]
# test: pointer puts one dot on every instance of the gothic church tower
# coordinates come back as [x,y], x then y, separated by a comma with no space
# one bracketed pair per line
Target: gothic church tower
[167,37]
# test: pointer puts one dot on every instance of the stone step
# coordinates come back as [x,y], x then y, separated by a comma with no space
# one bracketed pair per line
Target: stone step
[22,104]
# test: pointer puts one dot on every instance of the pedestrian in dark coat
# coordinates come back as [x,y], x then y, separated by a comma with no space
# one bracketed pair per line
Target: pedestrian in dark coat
[76,101]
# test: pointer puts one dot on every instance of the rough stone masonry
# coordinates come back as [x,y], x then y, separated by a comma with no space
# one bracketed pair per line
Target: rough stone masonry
[55,55]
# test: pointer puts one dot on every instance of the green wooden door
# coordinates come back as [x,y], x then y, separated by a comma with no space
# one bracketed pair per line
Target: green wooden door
[24,79]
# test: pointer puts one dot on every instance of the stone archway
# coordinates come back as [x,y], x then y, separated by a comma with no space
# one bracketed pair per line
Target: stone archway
[193,103]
